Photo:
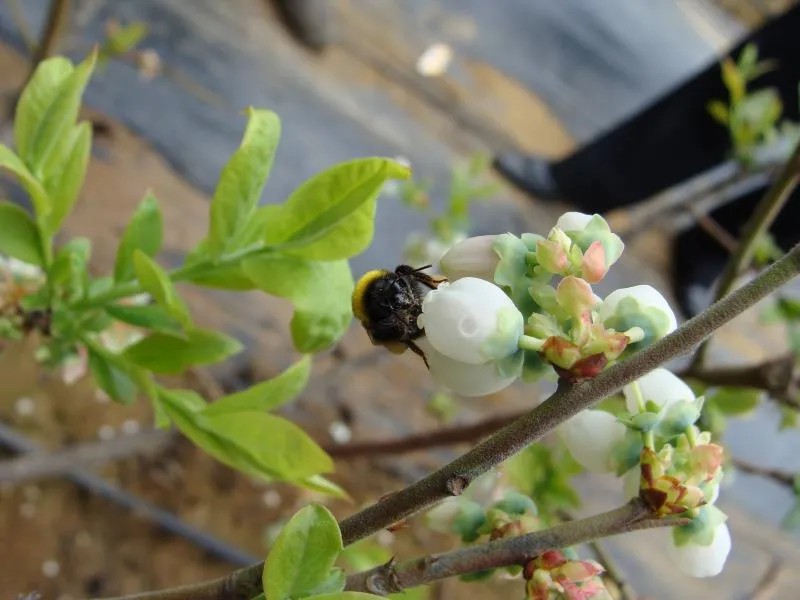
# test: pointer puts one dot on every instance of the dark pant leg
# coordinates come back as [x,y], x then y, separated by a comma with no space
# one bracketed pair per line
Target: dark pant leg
[675,138]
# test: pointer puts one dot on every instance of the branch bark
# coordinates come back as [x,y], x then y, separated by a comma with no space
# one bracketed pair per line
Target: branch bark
[567,401]
[392,578]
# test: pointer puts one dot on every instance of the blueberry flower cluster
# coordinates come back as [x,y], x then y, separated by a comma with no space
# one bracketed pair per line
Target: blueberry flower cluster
[515,305]
[665,459]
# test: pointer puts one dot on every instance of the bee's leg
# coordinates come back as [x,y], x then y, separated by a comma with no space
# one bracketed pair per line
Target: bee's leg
[418,351]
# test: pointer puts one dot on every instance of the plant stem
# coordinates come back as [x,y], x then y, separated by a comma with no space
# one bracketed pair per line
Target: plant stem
[776,475]
[763,217]
[57,20]
[391,578]
[568,400]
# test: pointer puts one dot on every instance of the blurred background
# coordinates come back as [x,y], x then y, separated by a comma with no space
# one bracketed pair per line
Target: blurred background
[445,84]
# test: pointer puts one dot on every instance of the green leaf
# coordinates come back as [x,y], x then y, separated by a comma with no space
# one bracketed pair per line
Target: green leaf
[37,193]
[68,275]
[38,95]
[20,237]
[111,379]
[143,233]
[736,400]
[258,444]
[149,316]
[224,277]
[48,108]
[157,283]
[331,216]
[303,554]
[266,395]
[320,291]
[277,445]
[345,596]
[718,111]
[167,353]
[334,582]
[321,485]
[242,180]
[65,178]
[544,475]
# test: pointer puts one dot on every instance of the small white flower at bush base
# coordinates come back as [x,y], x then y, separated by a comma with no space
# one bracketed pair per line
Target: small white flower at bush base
[638,306]
[702,561]
[473,257]
[471,321]
[659,386]
[464,378]
[591,436]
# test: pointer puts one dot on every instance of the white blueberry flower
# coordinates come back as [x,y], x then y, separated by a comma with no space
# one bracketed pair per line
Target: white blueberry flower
[472,257]
[642,307]
[471,321]
[702,560]
[591,437]
[464,378]
[573,221]
[659,386]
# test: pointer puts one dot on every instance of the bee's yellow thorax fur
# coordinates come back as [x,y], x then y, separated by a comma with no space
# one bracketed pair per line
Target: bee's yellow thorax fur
[359,309]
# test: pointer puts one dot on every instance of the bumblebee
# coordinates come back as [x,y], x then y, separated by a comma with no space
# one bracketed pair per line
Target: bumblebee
[388,303]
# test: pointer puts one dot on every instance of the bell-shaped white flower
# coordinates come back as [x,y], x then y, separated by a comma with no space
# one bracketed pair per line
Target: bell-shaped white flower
[464,378]
[573,221]
[591,437]
[702,561]
[471,321]
[473,257]
[659,386]
[640,308]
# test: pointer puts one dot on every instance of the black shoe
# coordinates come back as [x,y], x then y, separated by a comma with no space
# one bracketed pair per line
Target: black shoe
[529,173]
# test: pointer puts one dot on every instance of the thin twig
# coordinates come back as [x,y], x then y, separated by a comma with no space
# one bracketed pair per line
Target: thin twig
[446,436]
[613,571]
[392,578]
[764,215]
[776,475]
[55,25]
[767,584]
[567,401]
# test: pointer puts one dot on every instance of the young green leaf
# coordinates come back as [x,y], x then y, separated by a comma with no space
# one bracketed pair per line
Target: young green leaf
[111,379]
[266,395]
[303,554]
[35,100]
[255,443]
[735,400]
[331,216]
[68,275]
[223,277]
[144,233]
[48,108]
[277,446]
[20,237]
[13,163]
[149,316]
[242,180]
[320,291]
[167,353]
[346,596]
[64,178]
[321,485]
[157,283]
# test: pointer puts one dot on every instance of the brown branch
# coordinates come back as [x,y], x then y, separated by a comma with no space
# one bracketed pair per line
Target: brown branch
[776,475]
[764,215]
[43,465]
[446,436]
[567,401]
[56,23]
[392,578]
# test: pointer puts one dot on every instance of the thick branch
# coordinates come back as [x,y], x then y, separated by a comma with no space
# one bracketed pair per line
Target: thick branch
[391,578]
[566,402]
[765,214]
